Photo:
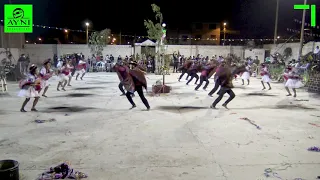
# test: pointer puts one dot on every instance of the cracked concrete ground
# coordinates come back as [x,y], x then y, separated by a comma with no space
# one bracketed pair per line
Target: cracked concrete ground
[180,138]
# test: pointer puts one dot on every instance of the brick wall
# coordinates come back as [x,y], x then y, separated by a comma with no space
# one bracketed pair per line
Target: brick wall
[313,84]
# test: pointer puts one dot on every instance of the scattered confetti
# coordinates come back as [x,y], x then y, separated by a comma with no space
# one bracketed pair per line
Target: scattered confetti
[251,122]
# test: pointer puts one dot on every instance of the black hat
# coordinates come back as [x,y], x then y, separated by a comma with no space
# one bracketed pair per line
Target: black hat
[46,61]
[32,67]
[133,62]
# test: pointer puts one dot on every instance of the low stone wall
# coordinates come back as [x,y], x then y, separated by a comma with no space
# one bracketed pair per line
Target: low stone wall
[313,84]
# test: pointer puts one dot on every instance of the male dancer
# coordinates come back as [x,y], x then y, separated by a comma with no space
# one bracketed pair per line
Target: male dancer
[122,72]
[184,69]
[217,83]
[135,80]
[45,75]
[206,73]
[225,78]
[193,70]
[265,76]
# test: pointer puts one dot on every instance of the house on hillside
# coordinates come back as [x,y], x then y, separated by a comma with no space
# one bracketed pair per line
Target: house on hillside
[195,34]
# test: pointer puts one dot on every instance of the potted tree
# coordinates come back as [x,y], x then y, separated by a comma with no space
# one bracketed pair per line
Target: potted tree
[157,32]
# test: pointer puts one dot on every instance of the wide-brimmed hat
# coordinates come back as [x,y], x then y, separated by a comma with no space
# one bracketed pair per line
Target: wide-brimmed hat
[32,67]
[46,61]
[133,62]
[82,62]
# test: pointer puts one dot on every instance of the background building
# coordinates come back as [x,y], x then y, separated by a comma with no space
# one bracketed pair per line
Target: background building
[11,40]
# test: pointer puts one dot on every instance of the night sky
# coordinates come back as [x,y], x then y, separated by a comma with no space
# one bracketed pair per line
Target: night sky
[253,18]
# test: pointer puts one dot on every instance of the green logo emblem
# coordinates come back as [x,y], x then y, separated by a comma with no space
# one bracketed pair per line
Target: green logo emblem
[18,18]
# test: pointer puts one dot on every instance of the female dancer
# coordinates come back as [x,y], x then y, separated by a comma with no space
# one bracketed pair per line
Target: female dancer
[70,70]
[265,76]
[246,74]
[28,89]
[63,74]
[293,82]
[81,69]
[45,75]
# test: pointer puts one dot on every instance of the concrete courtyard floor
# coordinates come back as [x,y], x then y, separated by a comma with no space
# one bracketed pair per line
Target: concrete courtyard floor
[179,138]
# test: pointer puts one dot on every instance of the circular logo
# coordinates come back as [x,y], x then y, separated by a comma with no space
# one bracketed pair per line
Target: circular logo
[18,13]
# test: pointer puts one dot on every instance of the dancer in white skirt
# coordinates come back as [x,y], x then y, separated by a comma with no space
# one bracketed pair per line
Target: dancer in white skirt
[265,76]
[69,68]
[293,82]
[45,74]
[81,69]
[28,89]
[246,75]
[63,75]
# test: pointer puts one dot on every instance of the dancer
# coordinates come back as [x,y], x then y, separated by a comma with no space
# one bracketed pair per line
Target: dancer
[81,69]
[265,76]
[184,69]
[63,74]
[193,70]
[133,81]
[122,72]
[246,74]
[45,74]
[216,77]
[28,89]
[206,73]
[233,68]
[225,78]
[293,82]
[70,70]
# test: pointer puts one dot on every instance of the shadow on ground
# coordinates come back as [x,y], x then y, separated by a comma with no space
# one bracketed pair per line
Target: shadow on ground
[4,95]
[287,107]
[88,88]
[67,109]
[102,82]
[259,94]
[76,95]
[180,109]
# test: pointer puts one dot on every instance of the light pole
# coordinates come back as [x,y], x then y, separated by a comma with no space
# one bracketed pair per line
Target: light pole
[164,34]
[67,35]
[302,30]
[87,32]
[276,24]
[224,33]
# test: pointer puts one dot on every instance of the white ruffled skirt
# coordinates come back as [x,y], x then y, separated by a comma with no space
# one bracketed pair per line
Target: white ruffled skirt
[44,83]
[63,77]
[245,76]
[293,83]
[82,71]
[28,93]
[266,78]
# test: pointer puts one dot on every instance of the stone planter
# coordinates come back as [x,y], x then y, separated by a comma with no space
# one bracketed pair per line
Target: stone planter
[157,89]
